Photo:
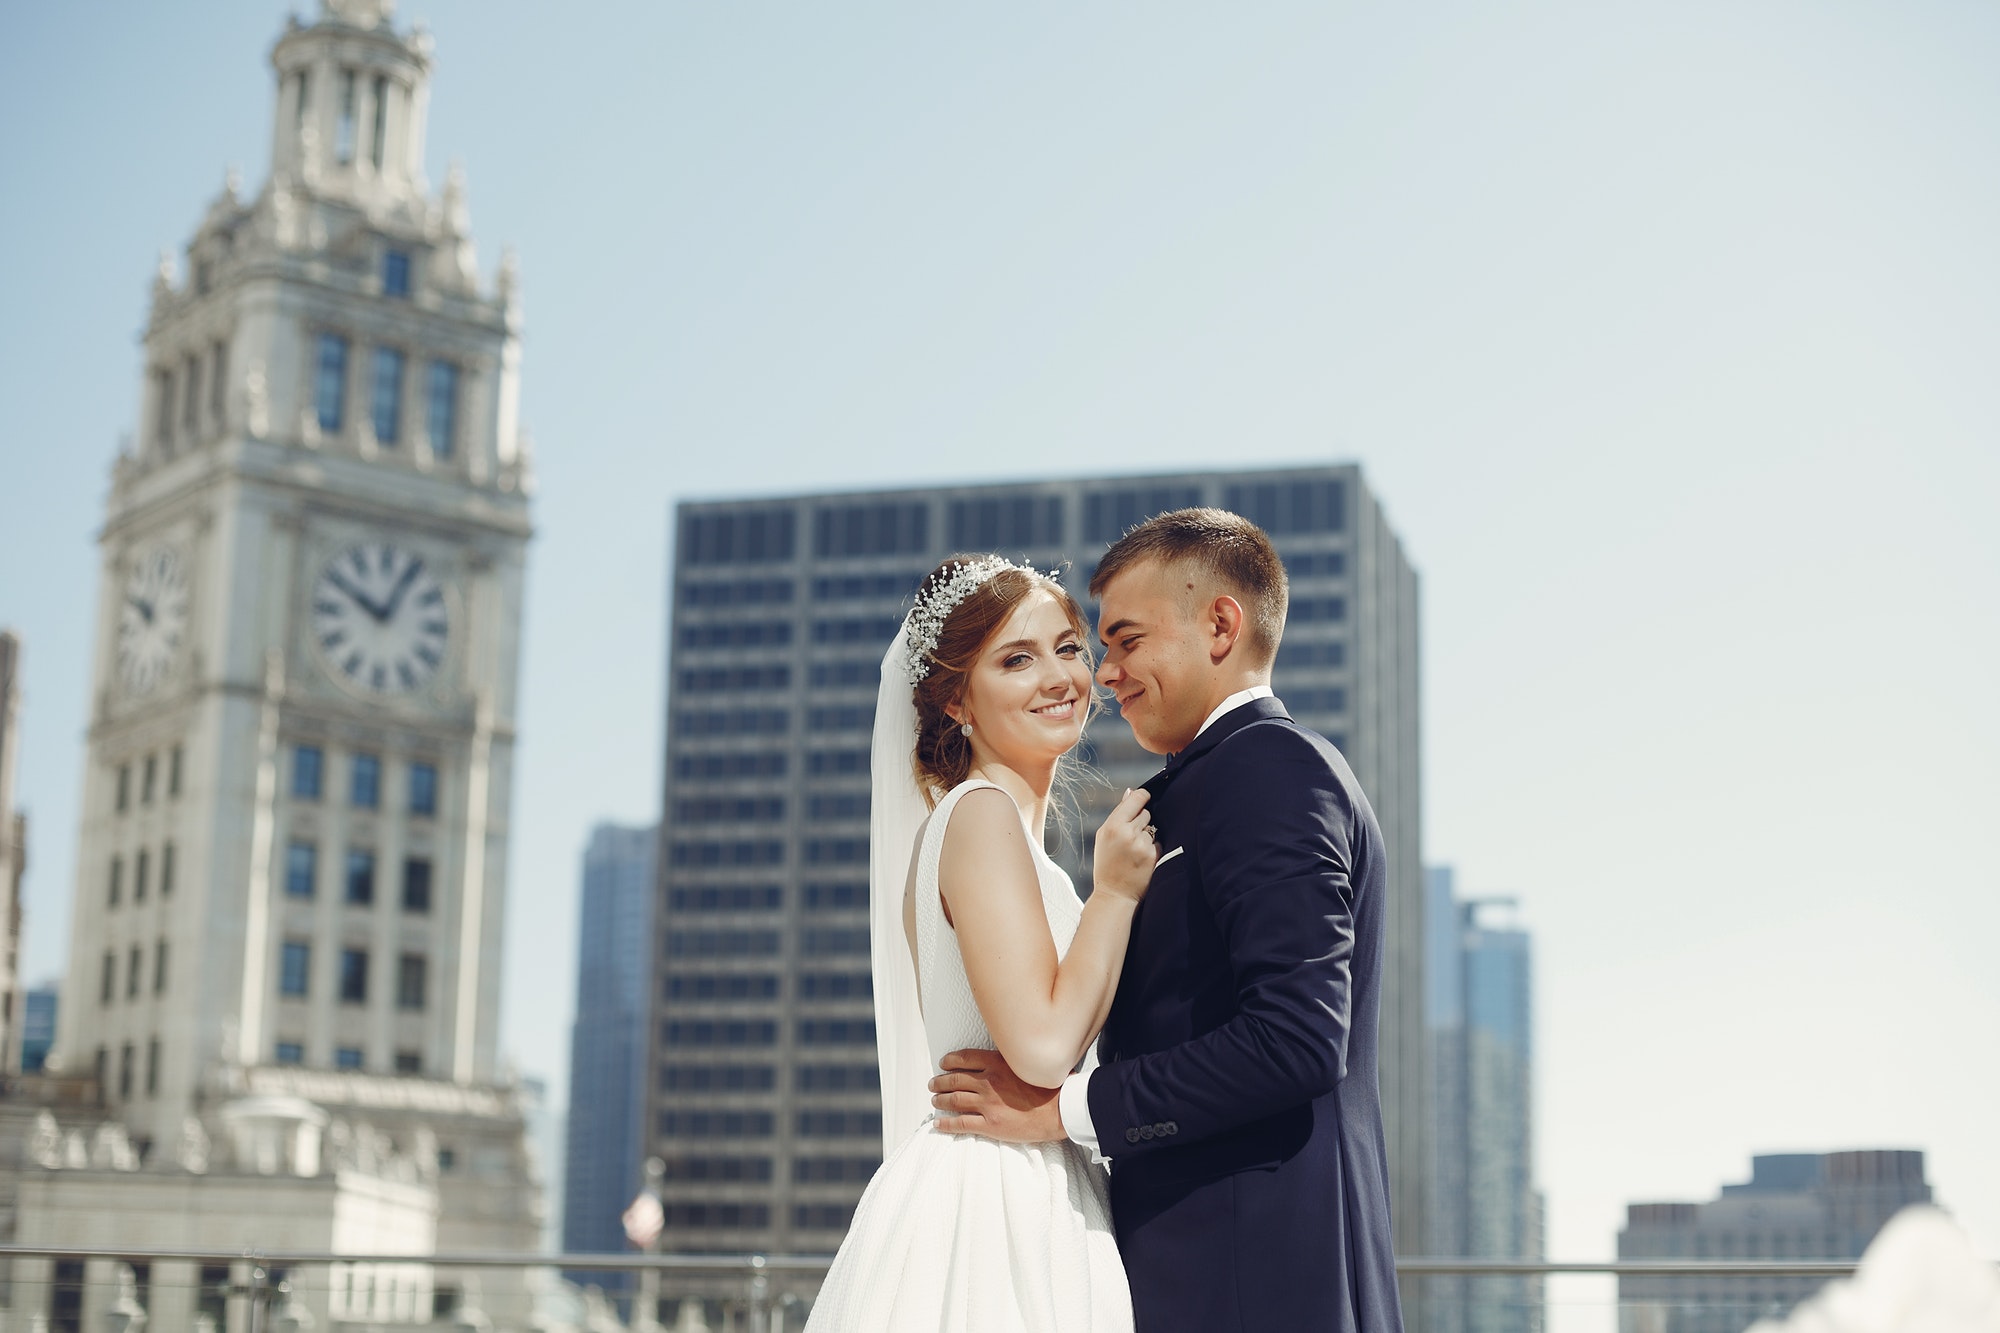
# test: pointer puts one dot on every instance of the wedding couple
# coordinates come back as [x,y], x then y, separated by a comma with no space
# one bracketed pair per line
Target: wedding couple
[1205,1023]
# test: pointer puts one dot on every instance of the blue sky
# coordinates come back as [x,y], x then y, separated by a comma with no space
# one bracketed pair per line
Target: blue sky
[1665,333]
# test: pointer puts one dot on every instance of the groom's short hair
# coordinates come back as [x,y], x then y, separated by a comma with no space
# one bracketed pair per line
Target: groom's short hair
[1228,547]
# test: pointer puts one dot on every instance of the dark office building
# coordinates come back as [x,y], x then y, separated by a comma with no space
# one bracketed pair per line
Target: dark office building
[1794,1206]
[762,1088]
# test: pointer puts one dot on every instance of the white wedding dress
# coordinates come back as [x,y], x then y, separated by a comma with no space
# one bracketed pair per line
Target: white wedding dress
[958,1234]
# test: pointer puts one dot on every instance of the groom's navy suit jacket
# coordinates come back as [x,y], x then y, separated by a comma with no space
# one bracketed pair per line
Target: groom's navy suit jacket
[1237,1098]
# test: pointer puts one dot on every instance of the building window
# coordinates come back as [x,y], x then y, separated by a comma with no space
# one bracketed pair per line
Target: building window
[395,273]
[758,536]
[409,1062]
[301,869]
[295,968]
[875,528]
[423,789]
[146,774]
[388,397]
[365,791]
[191,378]
[441,408]
[107,985]
[307,762]
[343,127]
[218,383]
[140,865]
[291,1053]
[117,876]
[125,1054]
[160,968]
[1014,522]
[124,787]
[1107,515]
[416,884]
[135,963]
[354,976]
[174,772]
[1282,508]
[410,982]
[153,1067]
[347,1057]
[163,419]
[330,383]
[379,140]
[361,877]
[166,870]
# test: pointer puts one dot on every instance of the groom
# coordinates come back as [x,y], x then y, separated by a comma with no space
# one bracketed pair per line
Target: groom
[1237,1098]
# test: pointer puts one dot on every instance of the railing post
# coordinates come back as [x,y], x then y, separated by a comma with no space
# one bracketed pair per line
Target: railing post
[259,1295]
[760,1295]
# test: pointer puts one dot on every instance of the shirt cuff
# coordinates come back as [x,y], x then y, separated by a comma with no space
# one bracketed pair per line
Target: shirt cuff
[1073,1100]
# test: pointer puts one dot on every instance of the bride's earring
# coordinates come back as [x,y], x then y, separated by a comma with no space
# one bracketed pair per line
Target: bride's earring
[965,728]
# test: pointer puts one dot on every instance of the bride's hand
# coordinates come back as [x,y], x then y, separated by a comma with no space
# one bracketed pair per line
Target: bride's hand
[1123,862]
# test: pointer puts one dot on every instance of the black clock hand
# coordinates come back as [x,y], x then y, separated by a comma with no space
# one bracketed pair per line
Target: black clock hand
[145,607]
[402,586]
[354,595]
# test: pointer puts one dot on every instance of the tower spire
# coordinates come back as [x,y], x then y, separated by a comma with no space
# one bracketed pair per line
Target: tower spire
[351,99]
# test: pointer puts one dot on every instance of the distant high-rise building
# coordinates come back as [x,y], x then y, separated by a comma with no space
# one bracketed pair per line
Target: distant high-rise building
[762,1093]
[13,857]
[38,1027]
[607,1053]
[1483,1203]
[1794,1206]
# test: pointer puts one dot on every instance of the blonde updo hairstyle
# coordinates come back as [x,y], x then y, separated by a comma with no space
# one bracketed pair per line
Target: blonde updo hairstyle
[944,753]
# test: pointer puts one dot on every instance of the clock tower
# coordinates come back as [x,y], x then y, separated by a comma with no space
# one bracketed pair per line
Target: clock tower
[293,852]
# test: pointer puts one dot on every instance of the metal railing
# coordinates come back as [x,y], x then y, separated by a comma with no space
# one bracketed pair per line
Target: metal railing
[762,1289]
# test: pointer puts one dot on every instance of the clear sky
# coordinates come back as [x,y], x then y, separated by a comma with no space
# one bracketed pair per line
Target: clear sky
[1667,334]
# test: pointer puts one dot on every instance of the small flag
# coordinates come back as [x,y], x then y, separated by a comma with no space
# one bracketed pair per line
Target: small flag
[644,1220]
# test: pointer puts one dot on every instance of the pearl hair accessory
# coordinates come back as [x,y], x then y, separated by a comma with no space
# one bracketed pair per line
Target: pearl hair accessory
[938,598]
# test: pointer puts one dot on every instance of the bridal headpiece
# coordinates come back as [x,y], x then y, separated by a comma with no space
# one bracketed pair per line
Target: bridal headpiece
[939,596]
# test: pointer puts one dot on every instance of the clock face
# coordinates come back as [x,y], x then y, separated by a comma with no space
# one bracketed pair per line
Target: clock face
[152,620]
[380,619]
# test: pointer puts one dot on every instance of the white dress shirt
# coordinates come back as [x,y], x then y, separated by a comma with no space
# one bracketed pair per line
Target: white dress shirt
[1073,1100]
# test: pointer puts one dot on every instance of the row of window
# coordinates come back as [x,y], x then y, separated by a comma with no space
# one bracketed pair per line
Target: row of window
[764,1078]
[774,721]
[740,1032]
[358,881]
[1311,653]
[765,897]
[740,853]
[679,1124]
[364,781]
[135,963]
[127,1059]
[183,389]
[871,630]
[997,522]
[814,942]
[728,809]
[759,1170]
[149,772]
[708,680]
[1315,610]
[142,874]
[351,980]
[352,1057]
[765,986]
[738,592]
[388,371]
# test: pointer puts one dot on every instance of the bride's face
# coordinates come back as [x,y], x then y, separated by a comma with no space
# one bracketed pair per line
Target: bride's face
[1028,692]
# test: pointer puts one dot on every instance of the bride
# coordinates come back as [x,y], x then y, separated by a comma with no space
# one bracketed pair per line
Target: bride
[980,942]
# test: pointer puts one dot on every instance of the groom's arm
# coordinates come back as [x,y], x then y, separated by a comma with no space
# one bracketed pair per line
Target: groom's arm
[1273,846]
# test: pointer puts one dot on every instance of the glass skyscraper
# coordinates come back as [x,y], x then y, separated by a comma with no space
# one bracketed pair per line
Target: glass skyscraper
[761,1089]
[607,1055]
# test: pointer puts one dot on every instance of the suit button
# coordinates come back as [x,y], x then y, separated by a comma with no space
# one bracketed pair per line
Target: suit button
[1131,1136]
[1146,1131]
[1172,1128]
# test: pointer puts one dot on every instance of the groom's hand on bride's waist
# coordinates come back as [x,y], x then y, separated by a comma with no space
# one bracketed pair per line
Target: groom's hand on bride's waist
[978,1094]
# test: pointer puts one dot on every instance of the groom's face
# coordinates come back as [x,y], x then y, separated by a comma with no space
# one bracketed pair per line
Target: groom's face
[1156,661]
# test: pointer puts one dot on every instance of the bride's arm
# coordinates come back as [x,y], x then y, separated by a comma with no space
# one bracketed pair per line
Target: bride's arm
[1042,1014]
